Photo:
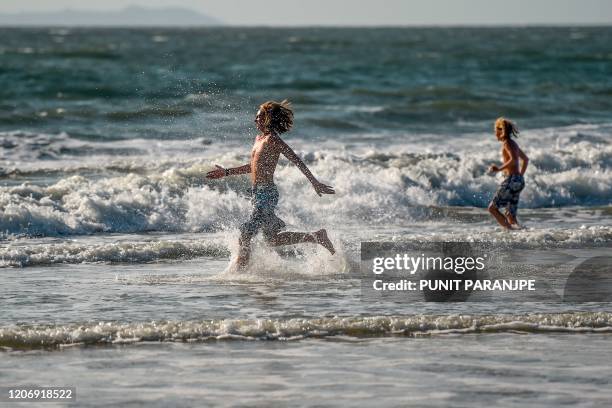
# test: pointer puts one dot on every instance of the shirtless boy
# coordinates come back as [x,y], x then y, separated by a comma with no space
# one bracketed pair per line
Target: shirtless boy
[272,120]
[510,189]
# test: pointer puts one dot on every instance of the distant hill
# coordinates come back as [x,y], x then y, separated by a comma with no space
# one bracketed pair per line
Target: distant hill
[128,17]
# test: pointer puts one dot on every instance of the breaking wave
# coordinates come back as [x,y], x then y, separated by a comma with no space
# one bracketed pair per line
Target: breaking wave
[99,333]
[73,253]
[91,192]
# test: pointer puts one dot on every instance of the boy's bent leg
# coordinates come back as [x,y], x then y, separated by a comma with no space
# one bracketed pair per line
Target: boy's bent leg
[290,238]
[324,241]
[499,216]
[293,238]
[511,218]
[513,207]
[508,196]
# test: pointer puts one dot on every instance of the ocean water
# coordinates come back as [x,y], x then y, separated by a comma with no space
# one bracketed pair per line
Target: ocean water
[114,248]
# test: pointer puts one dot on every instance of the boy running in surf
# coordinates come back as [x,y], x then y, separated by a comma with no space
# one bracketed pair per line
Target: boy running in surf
[510,189]
[272,120]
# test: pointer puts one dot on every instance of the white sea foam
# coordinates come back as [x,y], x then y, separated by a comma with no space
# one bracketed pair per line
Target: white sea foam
[528,238]
[310,262]
[45,336]
[170,193]
[304,263]
[138,252]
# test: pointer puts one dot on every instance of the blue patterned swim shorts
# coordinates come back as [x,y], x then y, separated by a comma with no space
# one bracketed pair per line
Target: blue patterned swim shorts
[509,193]
[264,198]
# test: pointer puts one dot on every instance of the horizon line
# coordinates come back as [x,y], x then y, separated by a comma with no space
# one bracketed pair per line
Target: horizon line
[373,26]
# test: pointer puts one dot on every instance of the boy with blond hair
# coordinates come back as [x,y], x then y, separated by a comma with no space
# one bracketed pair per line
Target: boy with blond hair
[510,189]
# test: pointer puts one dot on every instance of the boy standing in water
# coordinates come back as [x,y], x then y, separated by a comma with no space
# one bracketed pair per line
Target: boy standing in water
[510,189]
[272,120]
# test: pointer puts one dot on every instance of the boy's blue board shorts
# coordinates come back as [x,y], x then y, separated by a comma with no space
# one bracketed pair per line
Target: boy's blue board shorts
[264,198]
[509,193]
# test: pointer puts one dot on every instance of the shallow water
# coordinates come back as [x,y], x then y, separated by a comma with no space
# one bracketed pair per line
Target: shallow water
[492,369]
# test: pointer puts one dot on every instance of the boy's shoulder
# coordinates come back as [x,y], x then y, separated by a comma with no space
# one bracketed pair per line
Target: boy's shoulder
[276,139]
[510,143]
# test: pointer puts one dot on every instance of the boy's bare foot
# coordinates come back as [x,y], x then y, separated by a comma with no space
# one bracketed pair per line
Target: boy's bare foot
[322,238]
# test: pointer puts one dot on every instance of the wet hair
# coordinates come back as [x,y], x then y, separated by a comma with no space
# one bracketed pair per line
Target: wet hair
[510,128]
[277,116]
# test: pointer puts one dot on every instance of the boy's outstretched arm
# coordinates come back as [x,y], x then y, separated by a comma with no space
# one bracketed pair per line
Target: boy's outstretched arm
[221,172]
[525,160]
[288,152]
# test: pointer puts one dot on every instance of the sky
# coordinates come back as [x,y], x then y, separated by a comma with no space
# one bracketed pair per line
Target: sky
[359,12]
